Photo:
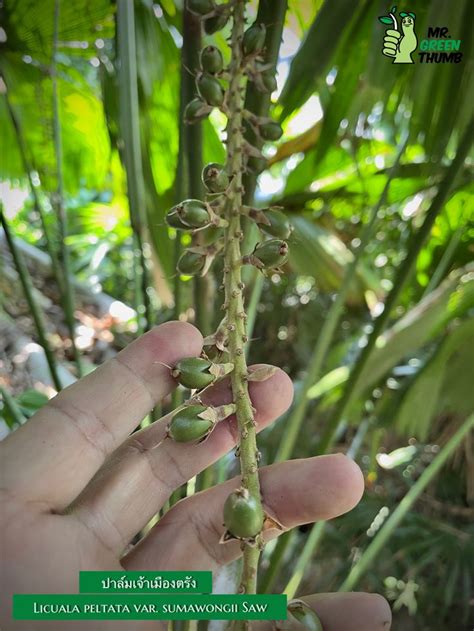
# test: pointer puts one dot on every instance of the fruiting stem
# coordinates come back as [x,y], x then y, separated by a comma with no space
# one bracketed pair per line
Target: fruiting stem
[28,167]
[234,296]
[65,260]
[35,308]
[11,406]
[132,158]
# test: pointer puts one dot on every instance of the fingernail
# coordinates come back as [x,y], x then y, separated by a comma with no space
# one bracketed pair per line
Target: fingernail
[304,614]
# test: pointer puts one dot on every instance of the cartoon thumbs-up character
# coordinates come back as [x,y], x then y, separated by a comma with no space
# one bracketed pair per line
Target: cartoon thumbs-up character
[396,44]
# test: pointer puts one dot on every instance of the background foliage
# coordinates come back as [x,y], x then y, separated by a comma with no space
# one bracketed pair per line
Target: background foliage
[366,151]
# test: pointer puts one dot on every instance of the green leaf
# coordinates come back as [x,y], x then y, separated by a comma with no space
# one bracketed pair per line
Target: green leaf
[315,54]
[420,325]
[457,393]
[386,20]
[320,253]
[421,401]
[444,384]
[30,401]
[30,27]
[82,119]
[342,102]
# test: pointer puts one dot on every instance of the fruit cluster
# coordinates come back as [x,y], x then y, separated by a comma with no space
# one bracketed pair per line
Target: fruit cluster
[193,422]
[215,226]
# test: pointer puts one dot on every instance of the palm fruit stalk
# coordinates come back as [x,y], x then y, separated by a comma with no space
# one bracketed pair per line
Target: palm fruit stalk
[233,288]
[244,516]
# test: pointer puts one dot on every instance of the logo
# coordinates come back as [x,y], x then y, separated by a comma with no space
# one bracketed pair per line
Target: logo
[399,43]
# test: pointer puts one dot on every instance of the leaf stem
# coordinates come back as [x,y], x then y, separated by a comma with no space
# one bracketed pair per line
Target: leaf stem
[67,286]
[132,157]
[35,309]
[332,320]
[445,261]
[193,135]
[319,529]
[12,406]
[48,237]
[404,506]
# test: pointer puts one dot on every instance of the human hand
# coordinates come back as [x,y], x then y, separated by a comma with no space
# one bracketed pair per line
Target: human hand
[391,42]
[401,45]
[76,486]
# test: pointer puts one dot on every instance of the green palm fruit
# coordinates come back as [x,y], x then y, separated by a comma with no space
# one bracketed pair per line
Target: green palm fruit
[210,235]
[243,516]
[280,225]
[186,426]
[196,110]
[175,221]
[216,23]
[210,89]
[189,214]
[256,165]
[269,81]
[215,178]
[304,614]
[191,263]
[193,372]
[271,130]
[212,60]
[200,7]
[272,253]
[254,39]
[263,76]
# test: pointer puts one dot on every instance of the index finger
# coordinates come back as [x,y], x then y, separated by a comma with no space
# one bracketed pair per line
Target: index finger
[51,458]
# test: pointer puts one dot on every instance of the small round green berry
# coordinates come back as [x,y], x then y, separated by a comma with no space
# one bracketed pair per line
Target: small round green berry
[191,263]
[272,253]
[186,426]
[280,225]
[200,7]
[254,39]
[189,214]
[196,110]
[210,89]
[215,178]
[256,165]
[243,515]
[212,60]
[269,81]
[193,372]
[270,131]
[216,23]
[174,220]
